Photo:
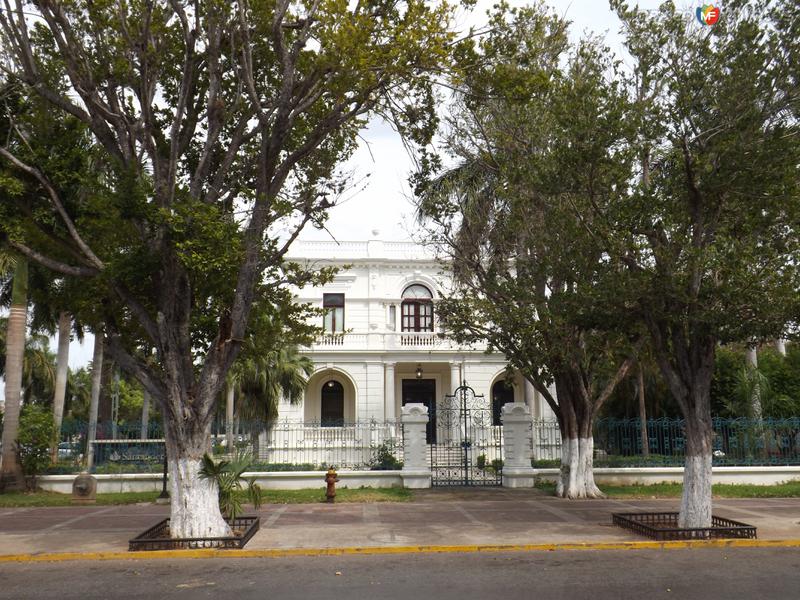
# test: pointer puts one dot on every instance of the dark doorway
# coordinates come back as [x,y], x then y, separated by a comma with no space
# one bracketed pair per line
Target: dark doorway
[423,391]
[501,394]
[332,404]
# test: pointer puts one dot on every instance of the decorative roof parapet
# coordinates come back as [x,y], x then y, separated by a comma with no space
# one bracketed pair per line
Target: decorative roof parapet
[373,249]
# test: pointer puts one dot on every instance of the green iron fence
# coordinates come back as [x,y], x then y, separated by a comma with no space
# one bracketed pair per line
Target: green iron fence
[617,442]
[737,442]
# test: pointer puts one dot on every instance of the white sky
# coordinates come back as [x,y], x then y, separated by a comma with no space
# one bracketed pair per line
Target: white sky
[381,165]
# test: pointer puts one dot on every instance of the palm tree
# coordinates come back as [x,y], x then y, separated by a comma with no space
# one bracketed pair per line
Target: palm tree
[38,370]
[62,369]
[11,477]
[38,366]
[97,374]
[260,379]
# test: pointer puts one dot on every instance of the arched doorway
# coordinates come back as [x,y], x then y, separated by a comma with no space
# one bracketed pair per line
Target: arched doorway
[330,398]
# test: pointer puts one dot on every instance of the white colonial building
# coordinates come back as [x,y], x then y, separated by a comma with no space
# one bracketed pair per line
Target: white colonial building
[382,346]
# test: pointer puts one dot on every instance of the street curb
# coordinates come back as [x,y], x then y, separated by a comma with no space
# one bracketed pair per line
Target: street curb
[370,550]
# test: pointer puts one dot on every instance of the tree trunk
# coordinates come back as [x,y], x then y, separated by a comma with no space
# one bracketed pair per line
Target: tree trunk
[688,367]
[194,501]
[696,500]
[97,375]
[104,412]
[755,384]
[576,479]
[62,369]
[643,414]
[255,443]
[229,397]
[577,469]
[11,476]
[145,415]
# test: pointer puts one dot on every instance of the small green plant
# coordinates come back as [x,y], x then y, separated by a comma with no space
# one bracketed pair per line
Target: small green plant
[384,459]
[481,461]
[36,431]
[228,477]
[497,465]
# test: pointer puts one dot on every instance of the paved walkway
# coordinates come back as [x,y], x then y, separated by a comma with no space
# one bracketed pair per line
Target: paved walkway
[435,517]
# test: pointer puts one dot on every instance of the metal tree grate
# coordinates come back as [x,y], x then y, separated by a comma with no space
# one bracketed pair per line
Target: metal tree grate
[664,526]
[157,537]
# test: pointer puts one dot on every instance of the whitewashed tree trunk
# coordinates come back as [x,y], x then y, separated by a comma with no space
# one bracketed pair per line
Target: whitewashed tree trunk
[587,464]
[194,506]
[194,502]
[577,406]
[94,403]
[696,500]
[577,469]
[62,369]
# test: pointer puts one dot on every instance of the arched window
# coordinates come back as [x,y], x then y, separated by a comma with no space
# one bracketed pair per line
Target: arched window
[501,393]
[332,404]
[417,309]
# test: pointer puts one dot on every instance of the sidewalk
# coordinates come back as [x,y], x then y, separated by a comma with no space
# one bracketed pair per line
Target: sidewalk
[447,517]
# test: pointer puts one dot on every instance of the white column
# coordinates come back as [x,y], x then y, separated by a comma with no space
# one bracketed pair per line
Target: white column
[780,346]
[455,376]
[416,471]
[517,470]
[531,398]
[455,382]
[389,403]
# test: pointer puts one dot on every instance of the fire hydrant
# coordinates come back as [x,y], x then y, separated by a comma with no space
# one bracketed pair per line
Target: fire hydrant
[331,479]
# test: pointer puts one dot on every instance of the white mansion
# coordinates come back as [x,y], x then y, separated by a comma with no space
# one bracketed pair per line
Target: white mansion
[382,347]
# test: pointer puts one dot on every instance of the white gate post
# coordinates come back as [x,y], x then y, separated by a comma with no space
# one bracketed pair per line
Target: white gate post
[517,470]
[416,470]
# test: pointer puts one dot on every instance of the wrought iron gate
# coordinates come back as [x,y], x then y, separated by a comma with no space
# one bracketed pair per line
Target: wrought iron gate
[468,446]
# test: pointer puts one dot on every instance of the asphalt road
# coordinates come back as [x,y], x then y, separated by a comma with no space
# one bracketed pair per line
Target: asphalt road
[741,573]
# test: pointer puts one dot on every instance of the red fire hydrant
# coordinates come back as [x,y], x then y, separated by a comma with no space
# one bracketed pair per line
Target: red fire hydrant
[331,479]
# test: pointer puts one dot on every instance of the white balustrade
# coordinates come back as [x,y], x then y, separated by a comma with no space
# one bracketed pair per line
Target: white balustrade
[406,340]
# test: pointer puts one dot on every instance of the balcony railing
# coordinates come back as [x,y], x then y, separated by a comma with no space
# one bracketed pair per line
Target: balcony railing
[395,340]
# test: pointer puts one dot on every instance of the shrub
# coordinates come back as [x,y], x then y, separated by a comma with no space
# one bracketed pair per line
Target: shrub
[111,468]
[282,467]
[36,432]
[546,463]
[63,467]
[384,459]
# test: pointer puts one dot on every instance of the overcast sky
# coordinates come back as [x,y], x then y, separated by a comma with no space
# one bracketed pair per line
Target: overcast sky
[380,196]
